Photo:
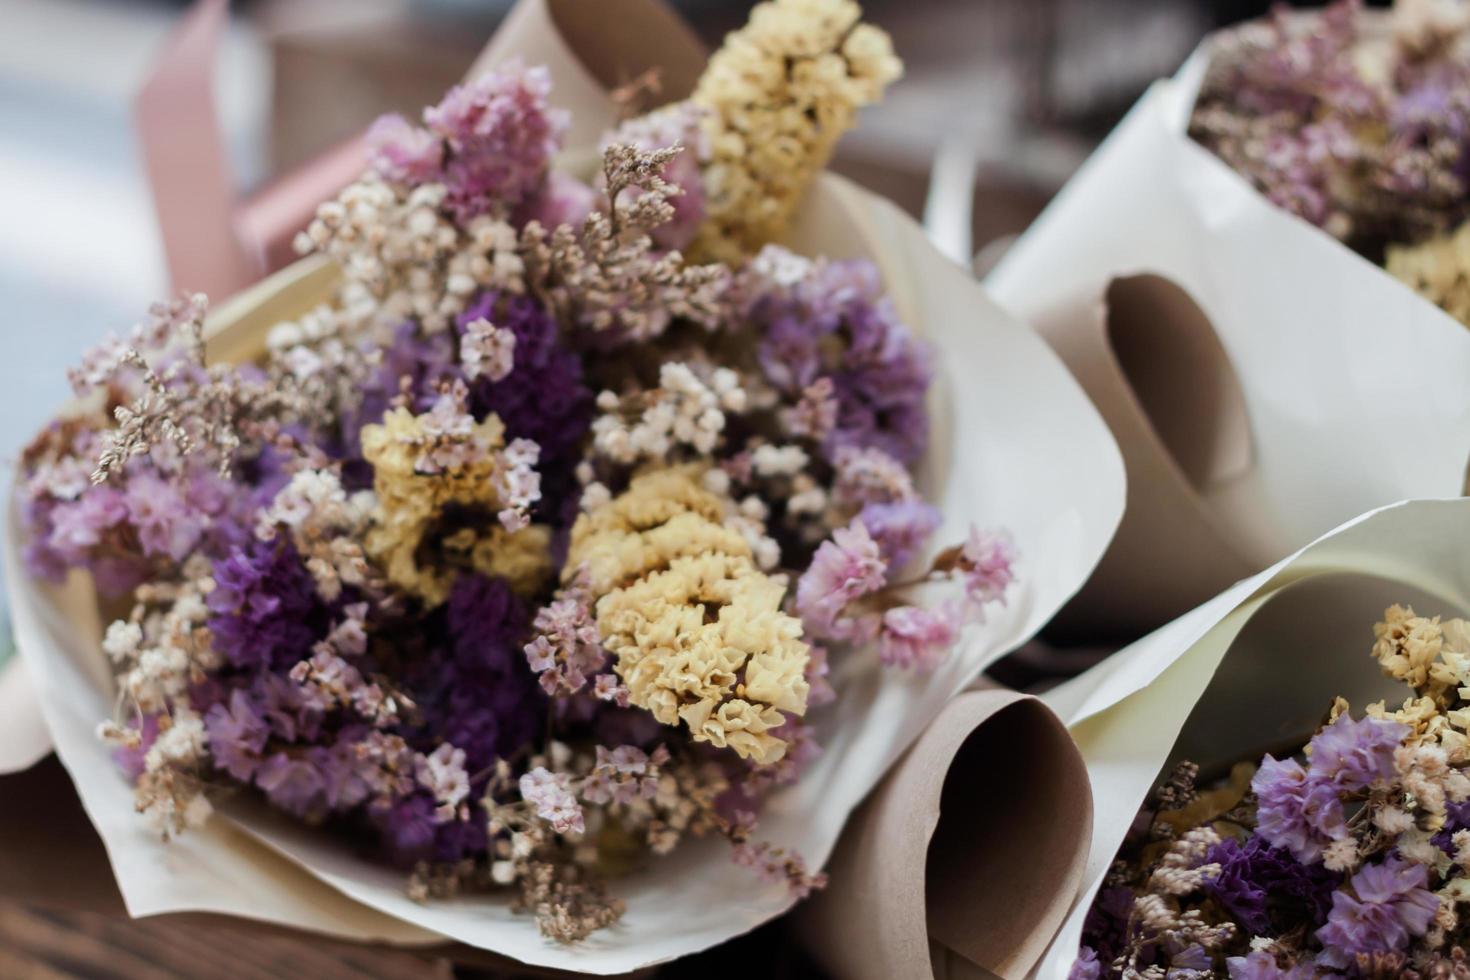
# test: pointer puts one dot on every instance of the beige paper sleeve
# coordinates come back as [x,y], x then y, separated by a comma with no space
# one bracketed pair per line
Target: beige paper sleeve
[966,858]
[1150,361]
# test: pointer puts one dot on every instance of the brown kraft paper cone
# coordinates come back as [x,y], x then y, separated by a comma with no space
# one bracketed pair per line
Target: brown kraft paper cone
[966,857]
[1153,366]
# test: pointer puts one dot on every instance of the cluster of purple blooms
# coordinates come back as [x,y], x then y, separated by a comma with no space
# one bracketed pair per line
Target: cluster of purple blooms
[1366,140]
[1329,881]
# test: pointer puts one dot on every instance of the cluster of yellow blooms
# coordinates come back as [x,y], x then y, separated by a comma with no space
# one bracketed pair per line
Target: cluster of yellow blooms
[1433,657]
[1439,269]
[696,628]
[411,502]
[778,95]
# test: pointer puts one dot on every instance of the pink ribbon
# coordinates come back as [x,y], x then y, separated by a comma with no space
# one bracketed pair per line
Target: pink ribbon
[215,242]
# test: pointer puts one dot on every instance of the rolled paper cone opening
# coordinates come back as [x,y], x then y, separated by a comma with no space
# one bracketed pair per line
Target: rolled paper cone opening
[1308,644]
[967,857]
[1182,377]
[1154,367]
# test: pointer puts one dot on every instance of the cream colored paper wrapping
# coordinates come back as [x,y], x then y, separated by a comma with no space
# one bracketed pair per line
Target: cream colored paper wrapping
[25,739]
[1015,443]
[1253,668]
[1264,382]
[968,855]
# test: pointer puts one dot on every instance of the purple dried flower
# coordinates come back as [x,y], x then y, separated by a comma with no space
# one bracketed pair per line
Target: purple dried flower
[80,525]
[901,528]
[562,200]
[551,796]
[165,523]
[543,398]
[1262,966]
[1264,888]
[1388,905]
[1356,754]
[1086,966]
[237,735]
[479,697]
[404,153]
[294,784]
[831,319]
[264,609]
[987,561]
[1296,811]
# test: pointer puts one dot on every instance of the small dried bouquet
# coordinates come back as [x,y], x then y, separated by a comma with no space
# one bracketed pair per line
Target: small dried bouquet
[524,557]
[1360,123]
[1348,858]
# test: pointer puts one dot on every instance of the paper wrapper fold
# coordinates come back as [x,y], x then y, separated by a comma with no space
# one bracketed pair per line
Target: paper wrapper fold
[966,857]
[23,736]
[1000,397]
[1264,382]
[1254,669]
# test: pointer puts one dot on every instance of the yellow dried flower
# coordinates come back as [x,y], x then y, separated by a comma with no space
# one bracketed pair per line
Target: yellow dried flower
[412,501]
[1438,268]
[1407,647]
[779,94]
[696,628]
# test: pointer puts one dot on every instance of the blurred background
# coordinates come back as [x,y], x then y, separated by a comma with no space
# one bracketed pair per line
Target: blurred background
[1012,93]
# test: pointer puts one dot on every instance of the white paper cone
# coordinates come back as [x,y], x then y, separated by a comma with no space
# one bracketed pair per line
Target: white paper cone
[1255,667]
[1353,386]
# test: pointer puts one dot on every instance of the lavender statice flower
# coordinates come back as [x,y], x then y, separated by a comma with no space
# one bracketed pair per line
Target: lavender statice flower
[490,141]
[1295,810]
[1387,906]
[1085,966]
[543,398]
[623,775]
[480,697]
[238,733]
[1355,755]
[831,319]
[1265,889]
[901,528]
[845,568]
[1261,965]
[264,609]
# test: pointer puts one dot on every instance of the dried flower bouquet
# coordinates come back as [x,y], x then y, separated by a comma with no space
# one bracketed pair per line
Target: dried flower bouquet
[521,558]
[1357,123]
[1347,858]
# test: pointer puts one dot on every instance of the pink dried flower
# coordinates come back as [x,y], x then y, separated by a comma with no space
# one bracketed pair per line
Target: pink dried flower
[987,561]
[551,795]
[567,648]
[914,638]
[845,568]
[622,775]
